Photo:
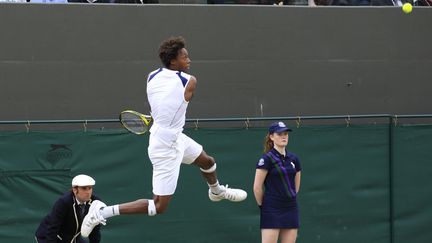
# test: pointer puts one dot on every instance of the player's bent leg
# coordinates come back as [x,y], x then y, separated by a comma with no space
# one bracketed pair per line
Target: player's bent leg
[161,203]
[93,218]
[207,166]
[158,205]
[217,192]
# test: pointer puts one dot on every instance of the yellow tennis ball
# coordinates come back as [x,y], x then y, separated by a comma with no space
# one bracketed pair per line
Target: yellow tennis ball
[407,8]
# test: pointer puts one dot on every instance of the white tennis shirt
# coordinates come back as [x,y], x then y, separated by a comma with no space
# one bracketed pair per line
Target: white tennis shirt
[165,93]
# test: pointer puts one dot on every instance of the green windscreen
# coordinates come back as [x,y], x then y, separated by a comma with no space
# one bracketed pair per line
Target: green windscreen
[360,183]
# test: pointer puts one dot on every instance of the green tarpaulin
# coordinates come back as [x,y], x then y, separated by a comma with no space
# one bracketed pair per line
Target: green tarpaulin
[361,183]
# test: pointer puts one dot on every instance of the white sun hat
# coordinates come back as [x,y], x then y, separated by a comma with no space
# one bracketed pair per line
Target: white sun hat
[83,180]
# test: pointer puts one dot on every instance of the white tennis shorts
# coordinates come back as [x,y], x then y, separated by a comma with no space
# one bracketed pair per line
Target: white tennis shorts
[166,154]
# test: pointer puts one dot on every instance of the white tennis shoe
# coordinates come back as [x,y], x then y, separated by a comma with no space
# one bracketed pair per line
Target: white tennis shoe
[93,218]
[231,194]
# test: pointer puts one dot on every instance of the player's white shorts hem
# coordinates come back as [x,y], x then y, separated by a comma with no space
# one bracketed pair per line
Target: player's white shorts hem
[167,157]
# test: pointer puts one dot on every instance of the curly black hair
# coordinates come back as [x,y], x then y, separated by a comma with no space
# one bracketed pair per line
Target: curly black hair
[169,49]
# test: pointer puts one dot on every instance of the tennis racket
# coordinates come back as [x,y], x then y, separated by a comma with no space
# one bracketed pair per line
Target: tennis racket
[135,122]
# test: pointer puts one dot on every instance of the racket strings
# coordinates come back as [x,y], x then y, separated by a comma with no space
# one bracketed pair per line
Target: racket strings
[134,123]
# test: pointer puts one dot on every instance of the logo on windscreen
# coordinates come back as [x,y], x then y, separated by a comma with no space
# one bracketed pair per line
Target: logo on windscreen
[59,152]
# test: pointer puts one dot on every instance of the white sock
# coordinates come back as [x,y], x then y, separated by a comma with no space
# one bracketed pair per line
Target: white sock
[151,208]
[215,188]
[110,211]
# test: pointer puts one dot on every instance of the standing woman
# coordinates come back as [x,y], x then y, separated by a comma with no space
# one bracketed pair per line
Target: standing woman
[277,182]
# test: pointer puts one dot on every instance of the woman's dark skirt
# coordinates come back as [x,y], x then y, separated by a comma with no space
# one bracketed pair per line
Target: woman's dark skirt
[279,213]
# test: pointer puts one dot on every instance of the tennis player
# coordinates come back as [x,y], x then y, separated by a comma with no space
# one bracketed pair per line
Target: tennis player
[169,90]
[278,171]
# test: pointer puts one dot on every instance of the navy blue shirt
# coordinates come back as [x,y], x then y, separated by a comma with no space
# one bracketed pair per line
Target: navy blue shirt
[280,179]
[63,223]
